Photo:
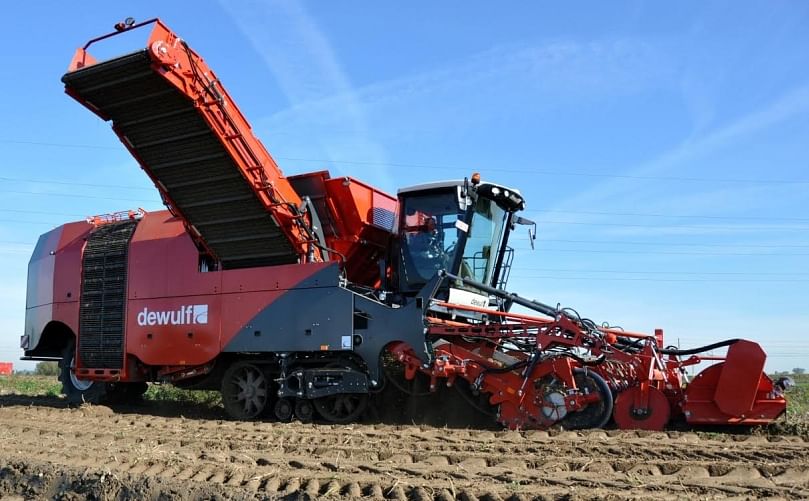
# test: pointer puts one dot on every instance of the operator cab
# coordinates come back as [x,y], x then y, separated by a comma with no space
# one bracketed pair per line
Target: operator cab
[461,227]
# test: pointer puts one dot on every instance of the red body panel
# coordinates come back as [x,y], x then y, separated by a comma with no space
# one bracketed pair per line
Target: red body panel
[358,208]
[735,391]
[164,276]
[357,220]
[164,262]
[739,382]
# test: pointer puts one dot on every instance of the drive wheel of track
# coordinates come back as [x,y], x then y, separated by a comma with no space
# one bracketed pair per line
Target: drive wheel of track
[342,408]
[78,391]
[245,391]
[654,418]
[596,414]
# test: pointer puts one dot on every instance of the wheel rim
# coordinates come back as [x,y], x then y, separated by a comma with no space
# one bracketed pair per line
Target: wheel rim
[247,392]
[342,408]
[79,384]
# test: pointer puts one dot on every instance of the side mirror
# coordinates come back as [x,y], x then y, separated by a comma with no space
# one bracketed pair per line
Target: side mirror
[532,228]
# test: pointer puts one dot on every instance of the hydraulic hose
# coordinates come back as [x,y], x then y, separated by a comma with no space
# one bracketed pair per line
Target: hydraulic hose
[701,349]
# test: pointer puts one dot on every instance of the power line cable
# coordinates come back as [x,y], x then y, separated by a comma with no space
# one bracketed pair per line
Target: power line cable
[657,226]
[19,221]
[689,227]
[645,279]
[559,211]
[551,173]
[673,216]
[60,145]
[75,195]
[464,168]
[678,244]
[650,252]
[49,213]
[649,272]
[72,183]
[540,239]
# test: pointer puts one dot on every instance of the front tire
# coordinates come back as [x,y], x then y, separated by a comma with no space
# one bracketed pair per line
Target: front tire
[78,391]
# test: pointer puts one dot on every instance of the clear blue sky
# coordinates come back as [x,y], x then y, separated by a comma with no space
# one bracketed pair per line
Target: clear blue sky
[662,146]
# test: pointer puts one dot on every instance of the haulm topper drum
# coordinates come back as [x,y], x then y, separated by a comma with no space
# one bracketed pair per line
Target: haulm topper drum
[301,296]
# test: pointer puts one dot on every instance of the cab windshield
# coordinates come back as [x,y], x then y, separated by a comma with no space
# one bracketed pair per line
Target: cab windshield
[483,241]
[431,226]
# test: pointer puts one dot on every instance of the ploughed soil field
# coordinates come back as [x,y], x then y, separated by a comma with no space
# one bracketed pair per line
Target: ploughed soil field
[157,450]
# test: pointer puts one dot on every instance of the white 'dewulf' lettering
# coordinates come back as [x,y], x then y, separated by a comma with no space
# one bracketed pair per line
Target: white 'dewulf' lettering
[184,315]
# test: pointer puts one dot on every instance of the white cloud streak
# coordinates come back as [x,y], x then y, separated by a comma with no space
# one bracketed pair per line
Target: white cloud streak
[304,65]
[785,107]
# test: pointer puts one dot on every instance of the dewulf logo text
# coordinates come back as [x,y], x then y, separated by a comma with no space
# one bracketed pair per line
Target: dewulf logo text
[184,315]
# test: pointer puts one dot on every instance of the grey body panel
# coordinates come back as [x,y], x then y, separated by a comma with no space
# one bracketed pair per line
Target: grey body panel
[319,316]
[39,292]
[301,320]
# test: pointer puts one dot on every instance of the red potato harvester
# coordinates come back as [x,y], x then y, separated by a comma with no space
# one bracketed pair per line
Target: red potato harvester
[288,294]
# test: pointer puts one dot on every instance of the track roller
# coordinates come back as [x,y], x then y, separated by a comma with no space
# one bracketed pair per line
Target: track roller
[283,410]
[341,408]
[304,411]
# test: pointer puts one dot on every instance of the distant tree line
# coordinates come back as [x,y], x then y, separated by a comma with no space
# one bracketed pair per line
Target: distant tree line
[47,369]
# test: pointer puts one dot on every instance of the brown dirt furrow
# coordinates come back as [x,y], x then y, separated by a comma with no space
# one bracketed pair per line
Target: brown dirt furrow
[50,450]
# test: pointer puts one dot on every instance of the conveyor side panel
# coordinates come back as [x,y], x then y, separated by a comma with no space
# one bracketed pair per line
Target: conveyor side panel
[216,176]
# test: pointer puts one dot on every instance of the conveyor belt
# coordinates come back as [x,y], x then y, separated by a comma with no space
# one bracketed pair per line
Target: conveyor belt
[103,296]
[177,147]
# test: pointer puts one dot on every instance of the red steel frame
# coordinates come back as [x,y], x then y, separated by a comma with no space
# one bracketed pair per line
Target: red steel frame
[650,388]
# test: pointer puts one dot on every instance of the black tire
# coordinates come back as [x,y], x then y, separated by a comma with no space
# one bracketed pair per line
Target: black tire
[597,414]
[246,391]
[76,390]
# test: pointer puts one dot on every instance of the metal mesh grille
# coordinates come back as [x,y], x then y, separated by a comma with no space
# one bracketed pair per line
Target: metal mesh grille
[383,218]
[102,308]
